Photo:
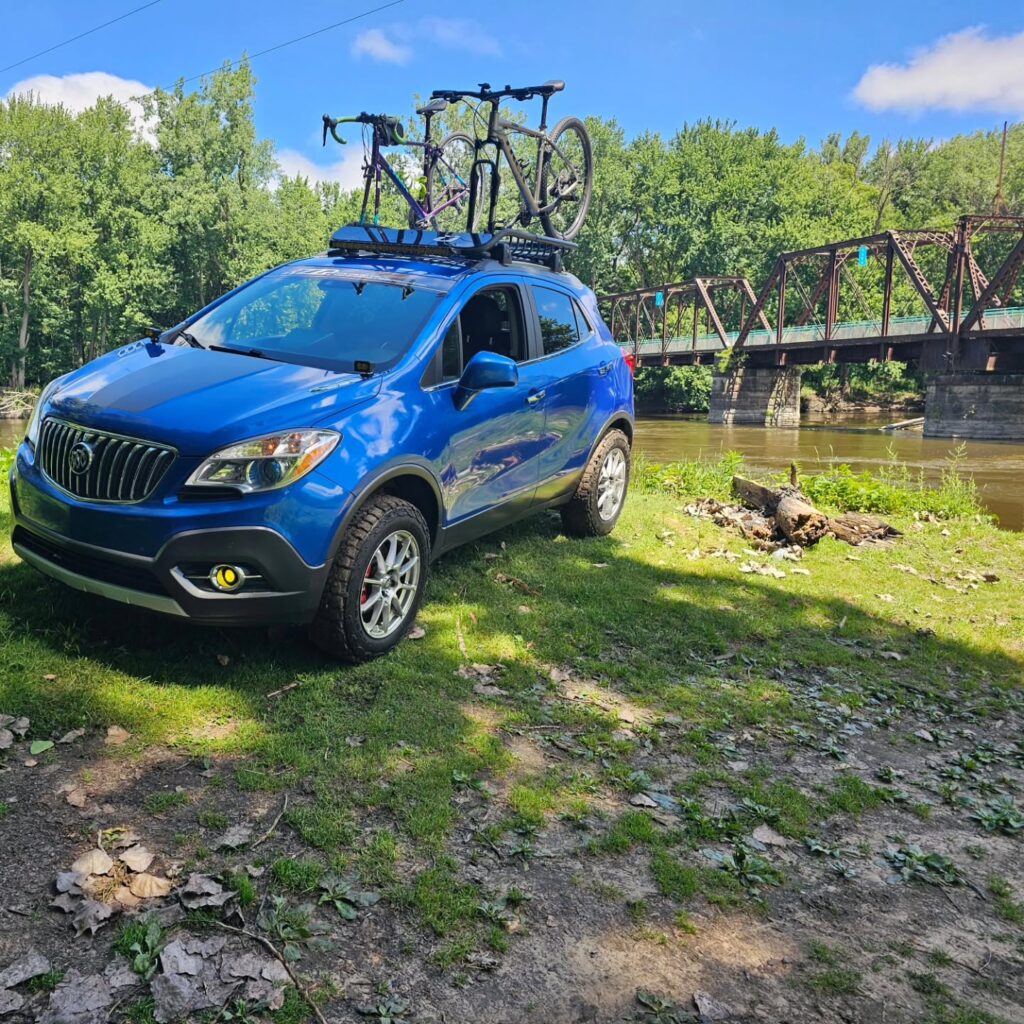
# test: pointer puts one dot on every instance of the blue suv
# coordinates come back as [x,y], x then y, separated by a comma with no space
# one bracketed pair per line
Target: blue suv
[302,448]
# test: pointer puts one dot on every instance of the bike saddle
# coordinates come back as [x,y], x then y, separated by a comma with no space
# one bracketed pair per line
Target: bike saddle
[433,107]
[555,85]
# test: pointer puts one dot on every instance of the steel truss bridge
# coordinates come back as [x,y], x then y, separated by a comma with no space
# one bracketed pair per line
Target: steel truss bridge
[968,321]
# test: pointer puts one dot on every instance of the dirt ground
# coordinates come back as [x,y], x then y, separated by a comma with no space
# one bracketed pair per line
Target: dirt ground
[594,938]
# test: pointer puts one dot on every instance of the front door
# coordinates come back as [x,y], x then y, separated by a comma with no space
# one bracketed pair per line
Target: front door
[492,464]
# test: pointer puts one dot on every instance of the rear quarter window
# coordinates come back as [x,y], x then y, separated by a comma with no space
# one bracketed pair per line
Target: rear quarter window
[559,328]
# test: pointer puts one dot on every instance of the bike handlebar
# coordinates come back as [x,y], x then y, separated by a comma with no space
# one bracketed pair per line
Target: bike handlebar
[377,120]
[489,95]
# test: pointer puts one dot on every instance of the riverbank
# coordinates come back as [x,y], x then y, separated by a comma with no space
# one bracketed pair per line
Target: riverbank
[664,762]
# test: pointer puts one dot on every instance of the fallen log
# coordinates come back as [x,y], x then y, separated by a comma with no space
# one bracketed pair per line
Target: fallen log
[798,520]
[787,514]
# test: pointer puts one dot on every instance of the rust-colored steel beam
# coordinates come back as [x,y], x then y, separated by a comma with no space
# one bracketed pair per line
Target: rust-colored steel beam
[1004,277]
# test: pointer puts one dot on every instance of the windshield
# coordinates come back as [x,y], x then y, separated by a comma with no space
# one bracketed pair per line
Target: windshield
[319,316]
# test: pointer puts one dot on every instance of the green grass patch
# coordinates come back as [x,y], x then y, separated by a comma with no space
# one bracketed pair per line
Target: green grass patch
[1007,907]
[852,795]
[161,803]
[298,875]
[442,902]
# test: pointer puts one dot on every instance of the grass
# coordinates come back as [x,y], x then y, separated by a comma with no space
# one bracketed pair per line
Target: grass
[1007,907]
[160,803]
[654,617]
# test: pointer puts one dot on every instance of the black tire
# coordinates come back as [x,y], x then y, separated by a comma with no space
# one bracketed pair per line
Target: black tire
[457,150]
[569,137]
[338,628]
[583,516]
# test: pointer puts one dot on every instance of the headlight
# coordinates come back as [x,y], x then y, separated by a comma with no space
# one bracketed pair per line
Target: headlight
[32,433]
[265,463]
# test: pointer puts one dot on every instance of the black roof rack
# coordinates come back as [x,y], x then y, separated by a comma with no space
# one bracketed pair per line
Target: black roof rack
[504,246]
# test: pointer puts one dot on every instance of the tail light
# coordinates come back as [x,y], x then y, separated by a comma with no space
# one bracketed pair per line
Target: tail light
[630,362]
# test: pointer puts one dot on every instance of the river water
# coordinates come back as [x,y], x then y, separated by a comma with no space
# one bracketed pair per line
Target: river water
[997,466]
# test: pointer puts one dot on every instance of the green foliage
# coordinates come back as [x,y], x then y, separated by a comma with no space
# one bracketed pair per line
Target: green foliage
[895,491]
[141,941]
[691,479]
[673,388]
[862,382]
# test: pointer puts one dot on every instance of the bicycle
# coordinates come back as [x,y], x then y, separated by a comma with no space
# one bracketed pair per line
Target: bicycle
[446,168]
[564,179]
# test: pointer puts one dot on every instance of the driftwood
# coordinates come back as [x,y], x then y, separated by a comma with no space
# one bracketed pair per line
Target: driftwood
[787,514]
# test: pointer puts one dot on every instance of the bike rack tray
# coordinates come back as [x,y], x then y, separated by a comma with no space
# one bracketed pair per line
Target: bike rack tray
[505,246]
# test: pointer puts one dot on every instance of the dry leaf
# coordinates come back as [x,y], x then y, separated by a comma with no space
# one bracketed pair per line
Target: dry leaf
[70,737]
[91,916]
[149,887]
[95,862]
[6,738]
[126,897]
[77,797]
[223,660]
[116,736]
[887,598]
[236,836]
[416,633]
[138,858]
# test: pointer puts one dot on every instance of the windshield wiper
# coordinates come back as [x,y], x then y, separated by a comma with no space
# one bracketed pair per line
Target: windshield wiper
[254,352]
[190,338]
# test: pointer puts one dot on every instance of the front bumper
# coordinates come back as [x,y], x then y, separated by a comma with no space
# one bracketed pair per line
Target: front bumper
[171,582]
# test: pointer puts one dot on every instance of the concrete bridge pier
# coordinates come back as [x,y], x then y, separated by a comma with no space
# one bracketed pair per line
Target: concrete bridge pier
[983,406]
[756,397]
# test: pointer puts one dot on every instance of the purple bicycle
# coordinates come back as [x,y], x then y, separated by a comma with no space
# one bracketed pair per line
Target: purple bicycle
[441,198]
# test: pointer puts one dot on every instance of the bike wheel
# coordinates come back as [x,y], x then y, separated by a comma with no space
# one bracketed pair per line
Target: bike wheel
[567,180]
[448,184]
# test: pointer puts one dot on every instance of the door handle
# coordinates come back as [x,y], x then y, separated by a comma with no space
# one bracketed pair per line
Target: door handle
[534,397]
[604,368]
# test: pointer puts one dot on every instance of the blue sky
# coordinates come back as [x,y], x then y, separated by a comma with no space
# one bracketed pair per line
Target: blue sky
[807,68]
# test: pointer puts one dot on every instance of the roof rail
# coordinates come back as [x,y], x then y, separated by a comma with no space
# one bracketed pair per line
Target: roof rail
[504,246]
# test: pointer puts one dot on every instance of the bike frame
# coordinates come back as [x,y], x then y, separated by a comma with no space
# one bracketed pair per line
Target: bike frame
[379,166]
[498,131]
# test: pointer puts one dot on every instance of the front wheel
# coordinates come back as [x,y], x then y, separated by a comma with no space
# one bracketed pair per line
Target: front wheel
[448,184]
[600,496]
[376,583]
[567,180]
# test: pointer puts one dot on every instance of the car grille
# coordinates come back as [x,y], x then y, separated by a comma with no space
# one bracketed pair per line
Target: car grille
[97,466]
[130,576]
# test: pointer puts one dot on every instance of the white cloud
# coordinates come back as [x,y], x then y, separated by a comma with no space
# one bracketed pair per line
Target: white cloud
[374,43]
[398,43]
[459,34]
[967,70]
[348,171]
[78,92]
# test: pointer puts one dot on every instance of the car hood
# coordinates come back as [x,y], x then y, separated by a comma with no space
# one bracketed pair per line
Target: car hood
[199,401]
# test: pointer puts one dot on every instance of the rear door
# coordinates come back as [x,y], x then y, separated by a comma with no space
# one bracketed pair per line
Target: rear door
[568,368]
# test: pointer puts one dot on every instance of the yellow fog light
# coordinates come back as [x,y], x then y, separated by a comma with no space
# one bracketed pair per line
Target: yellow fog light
[227,578]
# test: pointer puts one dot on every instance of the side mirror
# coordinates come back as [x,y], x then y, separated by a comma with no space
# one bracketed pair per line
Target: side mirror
[484,371]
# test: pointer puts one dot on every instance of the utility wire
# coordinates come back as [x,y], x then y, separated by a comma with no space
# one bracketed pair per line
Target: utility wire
[81,35]
[297,39]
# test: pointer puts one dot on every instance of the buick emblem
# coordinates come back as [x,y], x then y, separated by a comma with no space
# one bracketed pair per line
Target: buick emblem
[80,457]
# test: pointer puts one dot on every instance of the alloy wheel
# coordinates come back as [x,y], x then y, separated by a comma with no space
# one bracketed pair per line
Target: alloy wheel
[390,584]
[611,484]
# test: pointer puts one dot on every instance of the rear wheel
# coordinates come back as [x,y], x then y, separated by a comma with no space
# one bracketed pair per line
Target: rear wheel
[448,182]
[568,179]
[597,504]
[376,583]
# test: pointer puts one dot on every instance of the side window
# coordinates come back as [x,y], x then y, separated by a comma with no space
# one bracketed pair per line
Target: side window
[451,353]
[581,321]
[558,329]
[492,321]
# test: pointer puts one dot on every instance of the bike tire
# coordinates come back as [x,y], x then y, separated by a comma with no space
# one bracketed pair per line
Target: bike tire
[454,218]
[567,223]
